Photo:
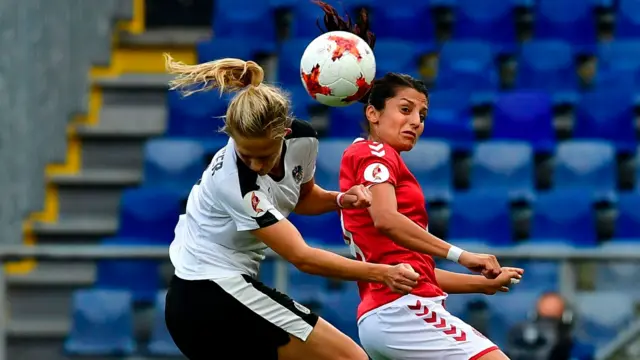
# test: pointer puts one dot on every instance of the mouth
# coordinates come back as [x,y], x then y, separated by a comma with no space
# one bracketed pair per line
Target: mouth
[410,134]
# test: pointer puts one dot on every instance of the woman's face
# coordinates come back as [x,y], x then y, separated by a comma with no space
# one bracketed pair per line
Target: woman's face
[401,122]
[259,154]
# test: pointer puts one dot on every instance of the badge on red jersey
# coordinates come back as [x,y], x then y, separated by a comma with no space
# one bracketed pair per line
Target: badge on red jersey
[376,173]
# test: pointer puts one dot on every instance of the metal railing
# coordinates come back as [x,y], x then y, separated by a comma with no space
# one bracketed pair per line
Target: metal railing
[566,257]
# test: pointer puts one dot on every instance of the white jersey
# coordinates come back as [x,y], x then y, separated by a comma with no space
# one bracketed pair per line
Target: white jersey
[213,238]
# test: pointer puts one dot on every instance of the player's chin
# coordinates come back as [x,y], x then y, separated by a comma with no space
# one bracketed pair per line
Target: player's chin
[406,144]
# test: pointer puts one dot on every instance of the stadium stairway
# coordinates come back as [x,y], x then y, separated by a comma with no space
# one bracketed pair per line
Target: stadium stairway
[127,107]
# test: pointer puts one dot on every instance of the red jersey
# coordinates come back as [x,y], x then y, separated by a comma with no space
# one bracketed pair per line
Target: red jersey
[368,163]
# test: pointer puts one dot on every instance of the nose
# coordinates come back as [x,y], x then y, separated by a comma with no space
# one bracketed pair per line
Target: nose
[414,119]
[257,165]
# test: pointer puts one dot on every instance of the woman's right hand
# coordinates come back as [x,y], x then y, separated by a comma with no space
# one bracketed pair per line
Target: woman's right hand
[485,264]
[401,278]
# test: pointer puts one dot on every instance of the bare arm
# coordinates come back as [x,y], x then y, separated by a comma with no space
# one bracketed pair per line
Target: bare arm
[285,240]
[315,200]
[399,228]
[456,283]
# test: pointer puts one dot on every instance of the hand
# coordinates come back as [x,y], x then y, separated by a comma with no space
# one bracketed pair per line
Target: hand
[503,281]
[401,278]
[358,197]
[485,264]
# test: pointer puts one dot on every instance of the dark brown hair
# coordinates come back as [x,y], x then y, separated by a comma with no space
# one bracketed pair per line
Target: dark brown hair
[383,88]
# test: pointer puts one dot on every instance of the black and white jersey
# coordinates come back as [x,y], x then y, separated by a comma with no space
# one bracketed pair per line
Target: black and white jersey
[213,238]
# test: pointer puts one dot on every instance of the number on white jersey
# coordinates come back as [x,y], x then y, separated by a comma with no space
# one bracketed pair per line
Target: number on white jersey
[348,239]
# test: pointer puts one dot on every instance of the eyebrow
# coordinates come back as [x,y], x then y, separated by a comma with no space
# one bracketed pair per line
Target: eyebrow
[426,107]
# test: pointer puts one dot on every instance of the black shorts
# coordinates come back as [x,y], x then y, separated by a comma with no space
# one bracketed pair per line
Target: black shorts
[233,318]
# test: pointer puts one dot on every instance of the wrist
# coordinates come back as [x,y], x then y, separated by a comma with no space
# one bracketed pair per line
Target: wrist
[454,253]
[379,274]
[339,199]
[484,285]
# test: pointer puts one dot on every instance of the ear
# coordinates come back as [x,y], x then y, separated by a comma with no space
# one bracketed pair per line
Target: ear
[287,131]
[372,114]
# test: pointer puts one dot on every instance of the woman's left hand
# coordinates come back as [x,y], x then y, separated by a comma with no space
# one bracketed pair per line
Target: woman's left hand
[502,282]
[358,197]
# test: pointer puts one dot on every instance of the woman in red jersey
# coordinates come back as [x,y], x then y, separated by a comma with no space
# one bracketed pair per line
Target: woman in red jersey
[395,230]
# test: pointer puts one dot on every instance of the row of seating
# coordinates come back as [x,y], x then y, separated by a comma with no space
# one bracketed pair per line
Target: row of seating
[490,20]
[506,165]
[103,320]
[525,115]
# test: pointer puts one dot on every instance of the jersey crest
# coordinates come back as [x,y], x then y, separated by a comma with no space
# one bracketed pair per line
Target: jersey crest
[257,204]
[298,174]
[376,173]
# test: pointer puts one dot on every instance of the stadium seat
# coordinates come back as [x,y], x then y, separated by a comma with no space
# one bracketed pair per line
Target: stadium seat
[526,116]
[472,61]
[616,274]
[328,162]
[596,326]
[173,162]
[221,47]
[508,310]
[484,216]
[545,272]
[407,20]
[566,215]
[101,324]
[607,114]
[504,165]
[339,309]
[254,26]
[161,343]
[586,164]
[196,115]
[322,229]
[537,70]
[568,20]
[139,277]
[430,162]
[302,104]
[150,214]
[627,25]
[619,54]
[486,20]
[306,15]
[627,224]
[346,121]
[289,56]
[450,118]
[397,56]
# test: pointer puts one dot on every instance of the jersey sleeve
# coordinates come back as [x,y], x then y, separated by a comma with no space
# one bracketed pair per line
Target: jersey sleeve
[310,167]
[249,209]
[374,164]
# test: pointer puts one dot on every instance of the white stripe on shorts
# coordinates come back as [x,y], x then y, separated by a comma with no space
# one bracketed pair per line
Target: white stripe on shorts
[266,307]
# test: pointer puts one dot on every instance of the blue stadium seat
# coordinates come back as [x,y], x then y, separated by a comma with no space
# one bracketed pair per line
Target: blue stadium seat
[173,162]
[323,229]
[150,213]
[504,165]
[195,115]
[302,103]
[328,163]
[450,118]
[598,326]
[482,215]
[508,310]
[220,47]
[430,162]
[347,121]
[305,287]
[607,114]
[555,74]
[254,26]
[586,164]
[102,324]
[161,343]
[545,274]
[487,20]
[616,275]
[527,116]
[468,66]
[306,15]
[340,307]
[569,20]
[566,215]
[289,57]
[627,225]
[619,54]
[627,25]
[397,56]
[141,278]
[408,20]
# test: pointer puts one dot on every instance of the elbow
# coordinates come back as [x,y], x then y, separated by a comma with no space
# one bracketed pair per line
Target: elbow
[384,223]
[301,258]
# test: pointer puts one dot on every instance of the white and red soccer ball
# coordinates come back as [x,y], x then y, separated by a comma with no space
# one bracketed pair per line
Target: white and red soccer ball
[337,68]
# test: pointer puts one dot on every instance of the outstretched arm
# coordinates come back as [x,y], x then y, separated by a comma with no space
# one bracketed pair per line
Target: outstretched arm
[315,200]
[457,283]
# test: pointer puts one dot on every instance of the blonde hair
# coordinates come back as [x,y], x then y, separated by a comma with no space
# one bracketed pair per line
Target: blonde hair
[257,110]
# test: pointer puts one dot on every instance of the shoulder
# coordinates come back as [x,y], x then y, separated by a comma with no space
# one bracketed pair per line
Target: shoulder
[365,149]
[231,180]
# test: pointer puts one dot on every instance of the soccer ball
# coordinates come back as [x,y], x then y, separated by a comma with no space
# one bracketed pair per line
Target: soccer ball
[337,68]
